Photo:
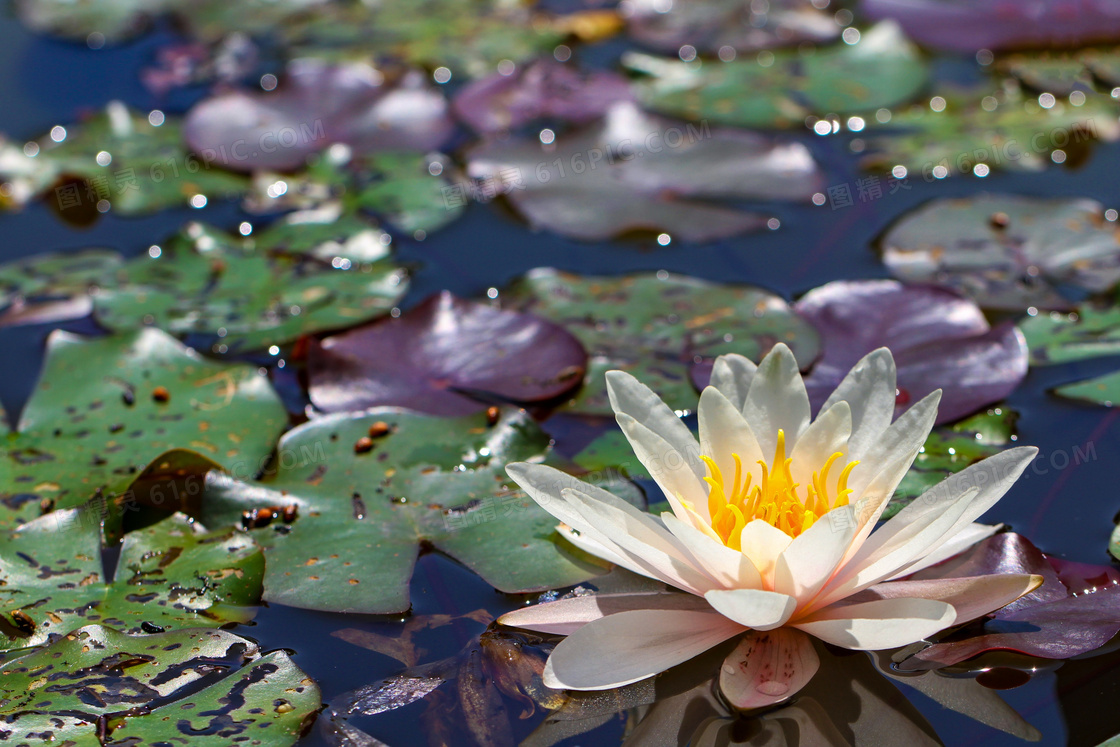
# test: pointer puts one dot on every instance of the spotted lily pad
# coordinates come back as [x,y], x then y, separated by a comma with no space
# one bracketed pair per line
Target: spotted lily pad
[106,407]
[657,325]
[170,575]
[1092,331]
[1007,251]
[949,449]
[1057,73]
[390,481]
[253,292]
[119,158]
[52,287]
[713,26]
[110,688]
[447,356]
[883,69]
[635,171]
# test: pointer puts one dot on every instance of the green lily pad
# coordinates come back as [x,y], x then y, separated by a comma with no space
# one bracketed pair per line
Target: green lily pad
[98,686]
[883,69]
[170,575]
[1092,331]
[117,157]
[52,287]
[611,453]
[1007,251]
[367,504]
[1061,72]
[950,449]
[1001,130]
[1099,390]
[99,415]
[304,277]
[656,326]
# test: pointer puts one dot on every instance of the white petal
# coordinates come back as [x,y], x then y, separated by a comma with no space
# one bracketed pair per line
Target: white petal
[955,545]
[565,616]
[777,400]
[669,468]
[824,437]
[870,390]
[885,623]
[631,646]
[763,543]
[767,668]
[812,557]
[610,553]
[631,397]
[970,597]
[731,568]
[724,431]
[732,375]
[760,610]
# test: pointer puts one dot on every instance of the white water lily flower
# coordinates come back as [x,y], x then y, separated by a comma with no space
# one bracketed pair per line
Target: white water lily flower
[770,533]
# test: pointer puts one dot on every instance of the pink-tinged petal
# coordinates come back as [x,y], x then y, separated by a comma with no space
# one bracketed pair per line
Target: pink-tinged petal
[723,432]
[812,558]
[884,623]
[767,668]
[955,545]
[630,646]
[566,616]
[732,375]
[731,568]
[869,389]
[763,543]
[760,610]
[777,400]
[670,469]
[971,597]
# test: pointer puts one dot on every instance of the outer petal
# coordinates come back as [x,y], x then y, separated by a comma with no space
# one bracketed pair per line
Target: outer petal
[760,610]
[631,646]
[763,543]
[565,616]
[670,468]
[812,557]
[731,568]
[732,376]
[631,397]
[869,388]
[777,400]
[767,668]
[885,623]
[955,545]
[971,597]
[724,431]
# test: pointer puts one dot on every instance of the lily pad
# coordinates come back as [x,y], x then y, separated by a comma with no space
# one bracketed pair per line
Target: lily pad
[1092,331]
[1099,390]
[635,171]
[1007,251]
[389,481]
[544,88]
[1054,72]
[656,326]
[170,575]
[119,158]
[939,341]
[447,356]
[611,453]
[971,25]
[52,287]
[304,277]
[319,104]
[881,70]
[125,690]
[950,449]
[712,26]
[106,407]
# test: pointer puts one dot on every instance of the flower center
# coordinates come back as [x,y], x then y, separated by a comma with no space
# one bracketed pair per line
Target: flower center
[774,499]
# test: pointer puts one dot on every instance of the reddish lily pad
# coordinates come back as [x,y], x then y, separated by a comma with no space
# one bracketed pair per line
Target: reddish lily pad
[542,89]
[1076,610]
[657,325]
[1007,251]
[635,171]
[319,104]
[447,356]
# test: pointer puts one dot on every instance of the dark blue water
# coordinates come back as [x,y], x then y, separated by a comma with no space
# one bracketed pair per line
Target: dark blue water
[1065,504]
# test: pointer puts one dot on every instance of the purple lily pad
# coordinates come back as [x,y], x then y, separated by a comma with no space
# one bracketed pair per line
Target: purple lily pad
[939,341]
[971,25]
[636,171]
[446,357]
[318,104]
[715,25]
[1076,610]
[545,88]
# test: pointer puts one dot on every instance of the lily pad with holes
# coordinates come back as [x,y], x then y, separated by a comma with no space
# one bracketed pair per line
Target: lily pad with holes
[172,574]
[1099,390]
[446,356]
[248,293]
[119,157]
[99,686]
[949,449]
[391,482]
[634,171]
[882,70]
[655,326]
[1092,331]
[1007,251]
[106,407]
[52,287]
